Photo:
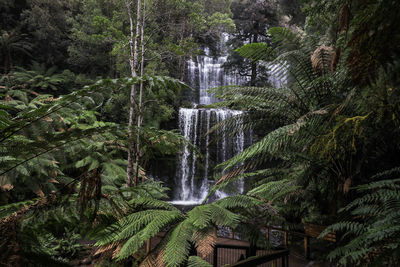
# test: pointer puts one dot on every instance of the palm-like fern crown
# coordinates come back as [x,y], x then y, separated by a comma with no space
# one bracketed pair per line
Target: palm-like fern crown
[298,113]
[151,217]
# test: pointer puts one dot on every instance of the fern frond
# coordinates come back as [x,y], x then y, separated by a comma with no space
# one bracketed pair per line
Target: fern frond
[374,229]
[195,261]
[256,51]
[178,244]
[130,225]
[283,36]
[239,202]
[153,227]
[224,217]
[151,203]
[205,241]
[274,190]
[271,145]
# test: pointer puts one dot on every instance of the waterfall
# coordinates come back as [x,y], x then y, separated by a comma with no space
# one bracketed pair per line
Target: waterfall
[205,72]
[195,174]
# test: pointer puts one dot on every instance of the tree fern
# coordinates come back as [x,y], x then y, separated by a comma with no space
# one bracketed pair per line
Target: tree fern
[181,231]
[285,163]
[371,235]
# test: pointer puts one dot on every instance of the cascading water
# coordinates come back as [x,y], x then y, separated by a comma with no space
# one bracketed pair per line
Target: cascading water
[193,174]
[207,72]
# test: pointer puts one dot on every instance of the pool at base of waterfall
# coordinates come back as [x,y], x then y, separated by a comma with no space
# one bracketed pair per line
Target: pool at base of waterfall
[185,202]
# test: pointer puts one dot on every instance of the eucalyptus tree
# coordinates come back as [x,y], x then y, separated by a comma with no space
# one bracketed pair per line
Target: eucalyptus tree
[11,11]
[140,104]
[252,19]
[96,32]
[133,61]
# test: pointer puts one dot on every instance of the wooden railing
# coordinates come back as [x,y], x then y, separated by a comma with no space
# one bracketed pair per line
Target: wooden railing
[257,260]
[246,256]
[216,255]
[311,231]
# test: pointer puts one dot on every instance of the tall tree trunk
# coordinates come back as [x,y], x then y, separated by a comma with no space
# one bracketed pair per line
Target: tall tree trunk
[254,65]
[182,59]
[134,44]
[140,107]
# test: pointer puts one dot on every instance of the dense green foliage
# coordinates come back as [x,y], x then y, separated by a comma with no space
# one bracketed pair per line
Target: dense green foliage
[77,161]
[332,127]
[326,142]
[372,232]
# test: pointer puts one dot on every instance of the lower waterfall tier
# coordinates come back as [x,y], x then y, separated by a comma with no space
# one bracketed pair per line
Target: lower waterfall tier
[195,172]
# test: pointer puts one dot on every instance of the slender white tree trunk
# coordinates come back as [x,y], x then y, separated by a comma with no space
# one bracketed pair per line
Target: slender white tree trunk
[140,107]
[133,60]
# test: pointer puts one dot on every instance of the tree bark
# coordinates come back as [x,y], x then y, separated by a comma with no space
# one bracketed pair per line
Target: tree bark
[134,56]
[140,107]
[254,65]
[182,59]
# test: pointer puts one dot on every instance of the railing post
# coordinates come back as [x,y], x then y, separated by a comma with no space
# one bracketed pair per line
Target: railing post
[307,247]
[148,246]
[215,256]
[232,234]
[285,239]
[285,261]
[247,253]
[252,250]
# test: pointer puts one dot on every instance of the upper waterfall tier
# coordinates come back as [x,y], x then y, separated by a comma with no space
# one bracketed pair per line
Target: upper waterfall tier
[206,72]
